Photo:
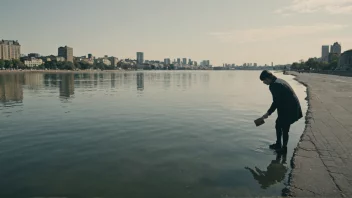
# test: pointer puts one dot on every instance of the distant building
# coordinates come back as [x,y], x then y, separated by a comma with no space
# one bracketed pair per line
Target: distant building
[33,62]
[179,61]
[345,61]
[195,63]
[66,52]
[207,63]
[255,64]
[107,62]
[190,61]
[336,48]
[167,61]
[140,57]
[184,61]
[325,53]
[53,58]
[104,60]
[113,61]
[59,59]
[88,61]
[77,59]
[10,50]
[90,56]
[333,56]
[33,55]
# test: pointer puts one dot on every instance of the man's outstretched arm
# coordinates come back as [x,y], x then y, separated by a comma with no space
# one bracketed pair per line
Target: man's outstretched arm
[275,92]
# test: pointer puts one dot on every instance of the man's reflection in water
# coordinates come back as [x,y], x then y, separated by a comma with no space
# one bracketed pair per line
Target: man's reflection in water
[275,172]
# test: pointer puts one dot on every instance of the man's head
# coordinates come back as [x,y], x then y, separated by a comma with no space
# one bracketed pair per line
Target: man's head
[267,77]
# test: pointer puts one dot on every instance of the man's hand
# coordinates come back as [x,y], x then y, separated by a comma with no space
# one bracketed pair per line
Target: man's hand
[265,116]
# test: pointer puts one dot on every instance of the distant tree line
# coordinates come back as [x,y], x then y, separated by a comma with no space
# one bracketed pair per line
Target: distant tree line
[315,64]
[12,64]
[80,65]
[53,65]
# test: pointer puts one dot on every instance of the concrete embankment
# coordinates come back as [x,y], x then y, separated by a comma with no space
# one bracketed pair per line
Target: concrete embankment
[322,162]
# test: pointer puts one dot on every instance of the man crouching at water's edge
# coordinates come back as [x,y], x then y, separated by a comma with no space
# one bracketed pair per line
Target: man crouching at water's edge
[287,105]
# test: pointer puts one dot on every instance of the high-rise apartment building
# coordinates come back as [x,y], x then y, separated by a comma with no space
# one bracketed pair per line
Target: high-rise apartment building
[336,48]
[140,57]
[10,50]
[184,61]
[113,61]
[167,61]
[325,53]
[66,52]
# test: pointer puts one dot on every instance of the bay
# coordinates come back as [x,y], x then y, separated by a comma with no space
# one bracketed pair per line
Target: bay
[140,134]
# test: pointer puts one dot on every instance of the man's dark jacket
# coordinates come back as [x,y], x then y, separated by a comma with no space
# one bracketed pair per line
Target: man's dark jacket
[285,101]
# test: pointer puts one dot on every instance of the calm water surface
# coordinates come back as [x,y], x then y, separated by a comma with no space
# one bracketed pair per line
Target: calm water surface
[140,134]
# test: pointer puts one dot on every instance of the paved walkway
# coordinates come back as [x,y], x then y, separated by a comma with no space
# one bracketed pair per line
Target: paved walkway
[322,164]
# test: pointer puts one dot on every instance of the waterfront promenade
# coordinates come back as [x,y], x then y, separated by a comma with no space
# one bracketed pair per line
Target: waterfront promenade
[322,164]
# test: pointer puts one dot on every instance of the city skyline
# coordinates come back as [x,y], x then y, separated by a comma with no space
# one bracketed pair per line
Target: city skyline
[212,30]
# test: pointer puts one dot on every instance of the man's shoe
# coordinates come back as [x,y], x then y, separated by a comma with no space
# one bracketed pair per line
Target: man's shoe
[275,146]
[282,150]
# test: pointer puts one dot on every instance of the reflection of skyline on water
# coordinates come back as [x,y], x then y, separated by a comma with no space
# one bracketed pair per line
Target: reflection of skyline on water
[11,88]
[113,76]
[140,81]
[68,84]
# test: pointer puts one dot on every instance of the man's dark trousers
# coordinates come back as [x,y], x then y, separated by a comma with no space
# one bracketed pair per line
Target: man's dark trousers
[282,130]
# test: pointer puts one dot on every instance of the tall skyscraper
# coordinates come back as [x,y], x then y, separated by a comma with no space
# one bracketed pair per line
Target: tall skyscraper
[10,50]
[179,61]
[325,53]
[66,52]
[184,61]
[167,61]
[140,57]
[190,61]
[336,48]
[113,61]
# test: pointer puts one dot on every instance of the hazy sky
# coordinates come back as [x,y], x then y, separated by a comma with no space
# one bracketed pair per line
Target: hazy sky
[223,31]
